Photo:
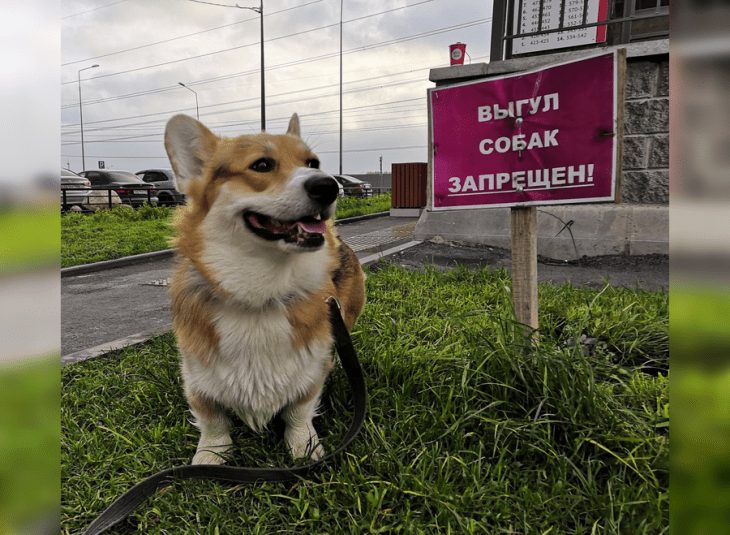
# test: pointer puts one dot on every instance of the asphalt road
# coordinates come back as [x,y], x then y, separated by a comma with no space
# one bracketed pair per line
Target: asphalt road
[112,305]
[649,272]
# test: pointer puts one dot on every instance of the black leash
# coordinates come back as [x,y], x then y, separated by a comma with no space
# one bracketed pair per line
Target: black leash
[130,500]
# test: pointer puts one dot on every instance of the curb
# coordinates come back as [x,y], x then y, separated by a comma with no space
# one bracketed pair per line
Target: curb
[370,259]
[355,219]
[138,338]
[168,253]
[117,262]
[120,343]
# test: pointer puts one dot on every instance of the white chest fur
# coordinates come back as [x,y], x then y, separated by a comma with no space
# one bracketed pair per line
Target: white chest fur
[256,371]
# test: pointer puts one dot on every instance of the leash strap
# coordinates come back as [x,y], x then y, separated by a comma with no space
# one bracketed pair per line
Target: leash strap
[130,500]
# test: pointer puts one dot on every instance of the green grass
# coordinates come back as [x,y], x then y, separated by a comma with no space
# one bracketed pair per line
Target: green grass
[469,430]
[109,234]
[29,443]
[28,237]
[353,206]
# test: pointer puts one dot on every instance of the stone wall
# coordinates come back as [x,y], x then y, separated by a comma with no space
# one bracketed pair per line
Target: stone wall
[646,132]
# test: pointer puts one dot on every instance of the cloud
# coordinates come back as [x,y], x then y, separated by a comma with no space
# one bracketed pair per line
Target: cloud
[302,73]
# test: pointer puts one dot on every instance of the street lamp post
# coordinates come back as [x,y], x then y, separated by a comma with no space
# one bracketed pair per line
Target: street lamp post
[197,110]
[341,1]
[81,116]
[263,85]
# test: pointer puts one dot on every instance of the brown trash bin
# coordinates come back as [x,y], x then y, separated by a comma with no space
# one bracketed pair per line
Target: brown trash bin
[409,185]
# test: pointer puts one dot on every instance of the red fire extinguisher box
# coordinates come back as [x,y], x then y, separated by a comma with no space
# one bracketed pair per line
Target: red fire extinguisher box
[457,51]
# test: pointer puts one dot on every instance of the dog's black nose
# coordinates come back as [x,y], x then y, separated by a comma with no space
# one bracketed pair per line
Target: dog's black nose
[322,189]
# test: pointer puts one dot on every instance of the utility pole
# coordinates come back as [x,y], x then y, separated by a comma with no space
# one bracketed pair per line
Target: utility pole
[260,11]
[381,169]
[81,115]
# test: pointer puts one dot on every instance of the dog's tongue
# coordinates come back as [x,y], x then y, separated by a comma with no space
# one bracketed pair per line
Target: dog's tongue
[312,227]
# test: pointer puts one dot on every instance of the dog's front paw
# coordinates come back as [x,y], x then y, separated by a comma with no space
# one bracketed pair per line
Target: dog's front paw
[307,450]
[209,456]
[213,448]
[315,453]
[318,453]
[305,445]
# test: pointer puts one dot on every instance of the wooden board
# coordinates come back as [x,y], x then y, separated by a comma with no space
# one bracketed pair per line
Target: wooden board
[524,265]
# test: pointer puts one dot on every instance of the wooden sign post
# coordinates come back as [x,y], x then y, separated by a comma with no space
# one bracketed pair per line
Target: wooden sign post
[524,265]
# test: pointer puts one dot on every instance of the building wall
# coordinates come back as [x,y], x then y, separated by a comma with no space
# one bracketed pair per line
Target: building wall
[646,132]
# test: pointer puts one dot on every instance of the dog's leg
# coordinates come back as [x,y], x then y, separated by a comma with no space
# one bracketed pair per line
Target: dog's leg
[300,435]
[215,438]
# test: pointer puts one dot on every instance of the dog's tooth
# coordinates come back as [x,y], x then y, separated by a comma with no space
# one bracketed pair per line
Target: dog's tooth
[318,217]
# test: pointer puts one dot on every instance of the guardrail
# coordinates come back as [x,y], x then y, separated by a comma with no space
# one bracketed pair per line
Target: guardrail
[100,197]
[380,191]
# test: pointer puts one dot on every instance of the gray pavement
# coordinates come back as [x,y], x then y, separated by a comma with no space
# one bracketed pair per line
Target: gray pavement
[114,307]
[648,272]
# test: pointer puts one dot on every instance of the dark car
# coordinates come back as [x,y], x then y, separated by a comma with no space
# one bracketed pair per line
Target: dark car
[74,189]
[166,183]
[354,187]
[130,188]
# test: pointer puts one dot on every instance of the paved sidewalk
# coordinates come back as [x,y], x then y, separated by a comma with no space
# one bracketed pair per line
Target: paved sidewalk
[115,307]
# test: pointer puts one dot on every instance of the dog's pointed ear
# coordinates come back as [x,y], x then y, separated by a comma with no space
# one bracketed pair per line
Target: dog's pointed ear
[294,129]
[189,146]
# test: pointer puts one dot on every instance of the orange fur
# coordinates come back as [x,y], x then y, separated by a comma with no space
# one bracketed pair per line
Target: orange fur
[201,406]
[192,310]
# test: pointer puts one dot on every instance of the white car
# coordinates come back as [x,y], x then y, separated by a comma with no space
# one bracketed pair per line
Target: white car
[74,189]
[354,187]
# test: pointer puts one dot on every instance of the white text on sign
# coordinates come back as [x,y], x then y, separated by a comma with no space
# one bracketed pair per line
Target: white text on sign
[495,112]
[532,179]
[519,142]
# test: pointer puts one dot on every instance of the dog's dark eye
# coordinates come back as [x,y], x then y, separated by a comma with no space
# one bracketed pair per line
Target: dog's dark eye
[263,165]
[313,163]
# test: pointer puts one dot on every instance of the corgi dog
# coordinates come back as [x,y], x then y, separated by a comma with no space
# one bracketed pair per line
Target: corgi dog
[257,259]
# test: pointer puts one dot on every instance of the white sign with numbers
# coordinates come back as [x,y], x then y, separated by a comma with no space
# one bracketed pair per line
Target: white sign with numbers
[527,20]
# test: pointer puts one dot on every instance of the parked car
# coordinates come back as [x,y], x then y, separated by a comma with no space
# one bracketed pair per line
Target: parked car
[166,183]
[103,199]
[354,187]
[131,189]
[340,189]
[74,189]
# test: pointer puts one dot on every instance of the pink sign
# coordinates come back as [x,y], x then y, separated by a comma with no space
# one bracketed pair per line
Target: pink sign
[541,137]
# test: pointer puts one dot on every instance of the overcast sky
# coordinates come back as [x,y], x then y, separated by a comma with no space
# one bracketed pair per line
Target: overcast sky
[145,47]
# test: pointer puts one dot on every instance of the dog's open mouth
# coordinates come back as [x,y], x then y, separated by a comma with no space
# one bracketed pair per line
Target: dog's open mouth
[305,232]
